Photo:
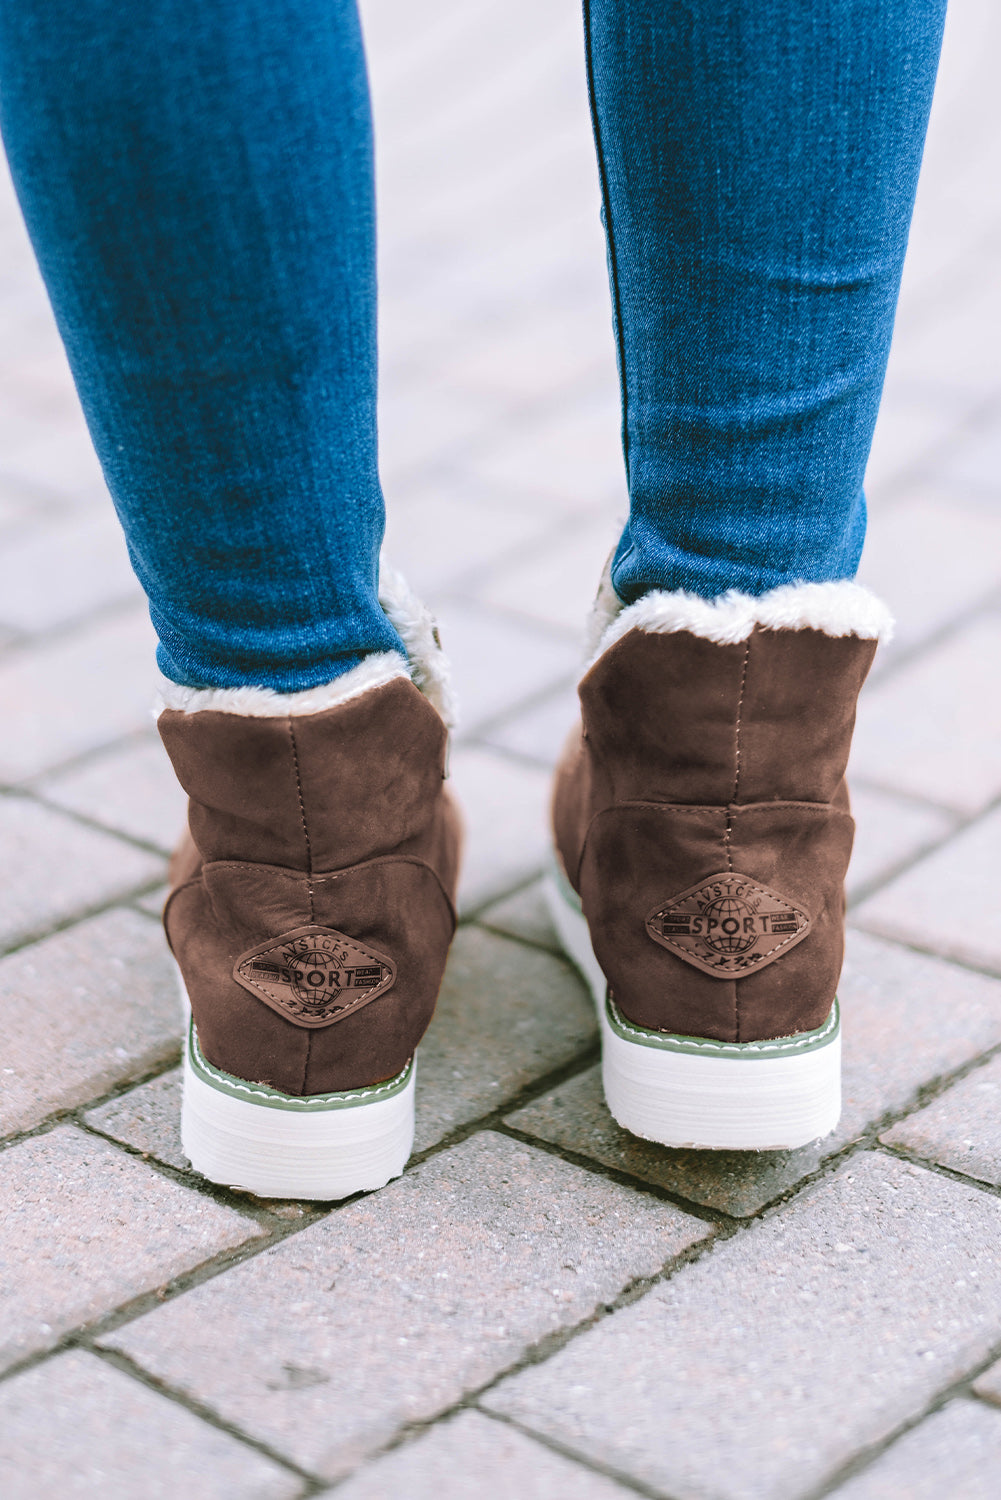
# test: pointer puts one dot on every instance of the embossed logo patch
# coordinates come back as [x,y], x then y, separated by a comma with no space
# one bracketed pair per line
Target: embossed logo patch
[728,925]
[314,976]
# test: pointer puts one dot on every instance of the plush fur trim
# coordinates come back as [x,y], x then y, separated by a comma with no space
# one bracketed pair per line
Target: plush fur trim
[429,666]
[428,669]
[838,608]
[265,703]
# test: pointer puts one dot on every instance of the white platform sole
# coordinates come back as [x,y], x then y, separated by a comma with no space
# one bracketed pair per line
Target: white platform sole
[324,1146]
[693,1091]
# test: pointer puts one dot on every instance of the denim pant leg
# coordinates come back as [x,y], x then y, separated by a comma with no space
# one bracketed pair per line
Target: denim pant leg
[759,160]
[198,184]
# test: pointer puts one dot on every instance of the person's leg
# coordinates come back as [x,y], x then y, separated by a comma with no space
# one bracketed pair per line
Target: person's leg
[197,181]
[759,161]
[198,185]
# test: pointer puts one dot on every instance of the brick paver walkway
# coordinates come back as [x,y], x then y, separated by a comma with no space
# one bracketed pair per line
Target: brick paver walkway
[542,1306]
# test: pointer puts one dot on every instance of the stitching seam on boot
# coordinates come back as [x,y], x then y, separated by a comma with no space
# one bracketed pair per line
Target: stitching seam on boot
[309,877]
[729,813]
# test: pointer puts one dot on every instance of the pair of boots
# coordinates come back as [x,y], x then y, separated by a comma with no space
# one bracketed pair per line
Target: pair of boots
[702,835]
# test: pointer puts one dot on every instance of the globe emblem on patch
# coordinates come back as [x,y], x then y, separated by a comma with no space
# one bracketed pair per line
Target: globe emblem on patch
[310,974]
[728,935]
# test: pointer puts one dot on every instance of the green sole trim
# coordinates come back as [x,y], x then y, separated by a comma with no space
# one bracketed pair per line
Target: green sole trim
[779,1046]
[269,1098]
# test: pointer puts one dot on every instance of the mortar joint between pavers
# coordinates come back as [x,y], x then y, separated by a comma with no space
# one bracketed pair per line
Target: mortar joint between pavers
[129,1367]
[727,1224]
[607,1471]
[860,1461]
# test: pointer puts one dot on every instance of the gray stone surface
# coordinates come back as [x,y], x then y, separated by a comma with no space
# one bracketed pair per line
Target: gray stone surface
[540,732]
[147,1117]
[388,1310]
[954,1453]
[931,729]
[87,1228]
[930,585]
[947,902]
[962,1128]
[75,694]
[524,915]
[83,1010]
[473,1457]
[130,789]
[889,831]
[906,1019]
[54,867]
[505,807]
[556,584]
[480,527]
[76,1428]
[55,574]
[763,1368]
[499,662]
[506,1014]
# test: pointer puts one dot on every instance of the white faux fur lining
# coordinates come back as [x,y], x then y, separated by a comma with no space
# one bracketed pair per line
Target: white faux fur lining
[428,668]
[838,608]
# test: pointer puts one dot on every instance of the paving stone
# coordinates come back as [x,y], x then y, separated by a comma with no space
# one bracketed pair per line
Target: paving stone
[84,1010]
[423,425]
[947,902]
[954,1452]
[931,729]
[499,663]
[556,583]
[506,809]
[975,463]
[574,459]
[912,428]
[906,1020]
[59,460]
[473,1457]
[763,1368]
[960,1129]
[88,1228]
[888,831]
[540,732]
[955,348]
[74,695]
[56,867]
[148,1118]
[524,915]
[507,1014]
[58,573]
[152,903]
[385,1312]
[542,356]
[925,583]
[444,531]
[130,788]
[76,1427]
[988,1384]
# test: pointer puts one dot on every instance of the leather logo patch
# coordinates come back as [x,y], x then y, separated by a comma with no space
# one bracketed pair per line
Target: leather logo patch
[728,925]
[314,976]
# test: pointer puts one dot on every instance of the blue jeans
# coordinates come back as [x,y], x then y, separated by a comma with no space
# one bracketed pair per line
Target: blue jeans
[197,182]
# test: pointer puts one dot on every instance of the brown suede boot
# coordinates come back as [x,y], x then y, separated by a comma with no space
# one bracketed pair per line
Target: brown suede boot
[311,916]
[703,833]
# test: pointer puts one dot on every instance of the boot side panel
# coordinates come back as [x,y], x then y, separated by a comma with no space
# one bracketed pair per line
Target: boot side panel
[634,858]
[661,713]
[233,907]
[797,714]
[639,859]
